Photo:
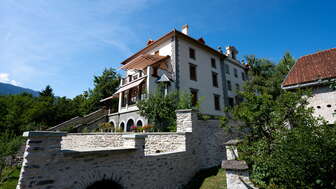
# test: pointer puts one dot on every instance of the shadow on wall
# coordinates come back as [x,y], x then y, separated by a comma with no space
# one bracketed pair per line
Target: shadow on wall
[105,184]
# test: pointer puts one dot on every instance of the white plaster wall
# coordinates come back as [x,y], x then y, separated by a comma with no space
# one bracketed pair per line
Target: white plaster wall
[165,49]
[234,80]
[322,97]
[206,90]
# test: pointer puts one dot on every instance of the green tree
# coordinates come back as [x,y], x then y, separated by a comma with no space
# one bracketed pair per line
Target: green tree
[105,85]
[285,145]
[47,92]
[160,109]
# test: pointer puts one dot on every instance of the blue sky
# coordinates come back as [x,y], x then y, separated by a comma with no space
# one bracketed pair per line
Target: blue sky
[64,43]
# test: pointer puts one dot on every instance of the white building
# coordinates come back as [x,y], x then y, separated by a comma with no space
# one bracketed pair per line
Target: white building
[185,64]
[316,72]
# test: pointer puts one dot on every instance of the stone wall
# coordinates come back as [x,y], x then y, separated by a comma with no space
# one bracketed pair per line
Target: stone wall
[164,142]
[91,141]
[146,160]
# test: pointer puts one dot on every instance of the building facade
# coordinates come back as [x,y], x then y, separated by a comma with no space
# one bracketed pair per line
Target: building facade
[178,62]
[316,72]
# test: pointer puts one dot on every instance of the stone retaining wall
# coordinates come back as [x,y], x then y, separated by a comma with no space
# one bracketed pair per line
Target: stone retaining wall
[91,141]
[164,142]
[64,161]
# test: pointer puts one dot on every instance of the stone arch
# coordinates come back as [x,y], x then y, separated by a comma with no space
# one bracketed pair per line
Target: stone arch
[113,125]
[105,184]
[122,126]
[139,123]
[129,124]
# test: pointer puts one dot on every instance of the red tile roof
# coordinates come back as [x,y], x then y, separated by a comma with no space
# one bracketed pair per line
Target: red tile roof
[313,67]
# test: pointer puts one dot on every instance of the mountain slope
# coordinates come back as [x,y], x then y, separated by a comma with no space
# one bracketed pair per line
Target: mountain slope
[8,89]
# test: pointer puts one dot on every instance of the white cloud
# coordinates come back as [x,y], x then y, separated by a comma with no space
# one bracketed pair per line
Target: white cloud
[4,78]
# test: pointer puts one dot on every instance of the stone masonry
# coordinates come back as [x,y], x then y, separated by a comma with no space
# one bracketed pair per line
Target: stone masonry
[57,160]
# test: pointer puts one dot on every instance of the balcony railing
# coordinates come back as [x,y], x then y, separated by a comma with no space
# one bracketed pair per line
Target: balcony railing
[131,78]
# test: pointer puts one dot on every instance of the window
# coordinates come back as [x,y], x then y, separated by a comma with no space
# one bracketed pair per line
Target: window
[129,78]
[217,101]
[155,71]
[193,72]
[227,69]
[192,54]
[140,74]
[214,79]
[123,99]
[231,102]
[243,76]
[229,87]
[132,96]
[194,96]
[237,87]
[235,72]
[213,62]
[142,91]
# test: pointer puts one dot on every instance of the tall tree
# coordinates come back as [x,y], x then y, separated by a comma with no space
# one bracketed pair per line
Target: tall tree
[47,92]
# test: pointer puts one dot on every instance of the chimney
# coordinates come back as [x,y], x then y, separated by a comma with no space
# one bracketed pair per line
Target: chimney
[201,40]
[149,42]
[231,52]
[220,49]
[185,29]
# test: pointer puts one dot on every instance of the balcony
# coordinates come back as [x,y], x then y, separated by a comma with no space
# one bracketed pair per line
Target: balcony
[132,78]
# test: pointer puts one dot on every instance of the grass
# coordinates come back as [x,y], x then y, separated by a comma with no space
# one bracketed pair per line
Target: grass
[10,177]
[212,178]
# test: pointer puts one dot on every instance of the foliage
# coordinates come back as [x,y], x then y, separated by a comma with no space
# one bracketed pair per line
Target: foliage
[160,109]
[106,127]
[9,177]
[285,146]
[22,112]
[147,127]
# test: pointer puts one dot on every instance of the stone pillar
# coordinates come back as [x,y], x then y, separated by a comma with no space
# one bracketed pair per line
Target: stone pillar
[237,175]
[231,149]
[186,120]
[42,149]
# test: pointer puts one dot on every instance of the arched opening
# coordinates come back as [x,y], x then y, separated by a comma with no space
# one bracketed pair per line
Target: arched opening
[139,123]
[112,126]
[105,184]
[122,126]
[130,123]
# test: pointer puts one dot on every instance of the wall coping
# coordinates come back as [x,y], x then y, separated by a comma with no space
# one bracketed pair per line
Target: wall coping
[135,136]
[234,165]
[185,110]
[233,142]
[43,134]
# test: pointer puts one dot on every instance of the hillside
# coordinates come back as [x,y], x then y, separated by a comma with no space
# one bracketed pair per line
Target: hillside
[7,89]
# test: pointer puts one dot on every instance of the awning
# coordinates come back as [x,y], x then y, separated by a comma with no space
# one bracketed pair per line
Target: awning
[143,61]
[110,97]
[130,85]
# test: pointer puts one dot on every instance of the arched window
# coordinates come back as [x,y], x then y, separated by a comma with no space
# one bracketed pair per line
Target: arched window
[122,126]
[130,123]
[139,123]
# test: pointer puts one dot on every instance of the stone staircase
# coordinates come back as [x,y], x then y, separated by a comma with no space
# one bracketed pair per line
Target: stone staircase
[78,123]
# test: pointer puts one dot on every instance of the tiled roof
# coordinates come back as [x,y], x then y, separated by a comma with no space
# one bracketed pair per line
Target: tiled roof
[142,61]
[313,67]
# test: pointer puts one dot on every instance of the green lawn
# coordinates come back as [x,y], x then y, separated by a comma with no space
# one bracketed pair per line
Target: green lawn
[212,178]
[10,178]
